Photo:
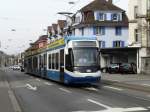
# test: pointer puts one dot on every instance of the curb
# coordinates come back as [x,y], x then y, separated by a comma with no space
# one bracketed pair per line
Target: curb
[128,86]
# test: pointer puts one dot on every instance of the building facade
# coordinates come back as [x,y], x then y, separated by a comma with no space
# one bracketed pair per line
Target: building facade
[109,23]
[139,35]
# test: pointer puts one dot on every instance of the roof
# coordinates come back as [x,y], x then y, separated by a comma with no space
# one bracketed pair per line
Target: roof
[61,23]
[102,5]
[49,28]
[54,26]
[43,37]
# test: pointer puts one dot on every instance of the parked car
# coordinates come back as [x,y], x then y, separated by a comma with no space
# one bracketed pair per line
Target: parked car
[16,67]
[113,68]
[22,68]
[128,68]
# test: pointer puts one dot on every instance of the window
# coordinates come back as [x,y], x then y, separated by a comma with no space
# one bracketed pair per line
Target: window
[99,30]
[53,61]
[102,16]
[136,32]
[102,44]
[35,63]
[77,19]
[49,58]
[82,31]
[118,30]
[118,43]
[57,61]
[115,17]
[135,11]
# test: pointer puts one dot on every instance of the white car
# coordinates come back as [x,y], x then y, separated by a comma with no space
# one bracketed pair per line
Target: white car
[16,67]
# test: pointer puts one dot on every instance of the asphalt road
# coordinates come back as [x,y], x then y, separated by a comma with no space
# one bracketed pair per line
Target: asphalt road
[25,93]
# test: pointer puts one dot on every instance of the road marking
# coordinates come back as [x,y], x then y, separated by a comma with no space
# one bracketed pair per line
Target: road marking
[91,88]
[38,79]
[134,109]
[98,103]
[47,83]
[146,85]
[31,87]
[12,97]
[110,87]
[65,90]
[14,101]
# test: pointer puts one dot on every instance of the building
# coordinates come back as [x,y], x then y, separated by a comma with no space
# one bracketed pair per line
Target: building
[109,23]
[139,35]
[60,27]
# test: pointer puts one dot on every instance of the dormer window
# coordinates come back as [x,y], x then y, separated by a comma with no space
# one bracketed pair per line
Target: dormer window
[101,17]
[115,17]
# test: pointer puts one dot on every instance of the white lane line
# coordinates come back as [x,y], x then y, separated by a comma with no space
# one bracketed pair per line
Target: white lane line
[47,83]
[146,85]
[91,88]
[110,87]
[65,90]
[134,109]
[34,88]
[38,79]
[148,107]
[98,103]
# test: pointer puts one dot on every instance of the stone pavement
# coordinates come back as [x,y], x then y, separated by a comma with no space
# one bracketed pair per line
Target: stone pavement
[132,81]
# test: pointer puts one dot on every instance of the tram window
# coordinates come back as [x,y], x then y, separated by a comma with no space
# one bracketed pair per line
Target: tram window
[35,62]
[62,58]
[49,57]
[53,61]
[40,61]
[57,60]
[68,62]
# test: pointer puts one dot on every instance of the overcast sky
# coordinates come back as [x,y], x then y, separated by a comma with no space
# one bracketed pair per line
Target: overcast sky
[30,17]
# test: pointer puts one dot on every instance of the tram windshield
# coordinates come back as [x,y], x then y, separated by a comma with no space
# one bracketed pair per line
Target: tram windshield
[85,57]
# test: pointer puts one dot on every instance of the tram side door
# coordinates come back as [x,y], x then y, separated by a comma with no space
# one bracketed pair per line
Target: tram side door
[62,65]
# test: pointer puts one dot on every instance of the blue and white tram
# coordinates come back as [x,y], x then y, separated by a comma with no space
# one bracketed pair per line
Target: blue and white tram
[73,60]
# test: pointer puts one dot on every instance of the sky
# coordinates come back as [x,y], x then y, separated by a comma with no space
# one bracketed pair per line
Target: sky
[29,18]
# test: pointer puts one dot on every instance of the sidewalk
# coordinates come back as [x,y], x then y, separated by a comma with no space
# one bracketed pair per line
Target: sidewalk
[5,96]
[131,81]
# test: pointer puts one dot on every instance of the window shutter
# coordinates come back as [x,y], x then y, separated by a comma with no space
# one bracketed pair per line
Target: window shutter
[113,43]
[103,44]
[111,16]
[105,16]
[94,30]
[104,29]
[97,16]
[123,44]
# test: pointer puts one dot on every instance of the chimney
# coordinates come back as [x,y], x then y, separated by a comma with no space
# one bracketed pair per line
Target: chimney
[110,1]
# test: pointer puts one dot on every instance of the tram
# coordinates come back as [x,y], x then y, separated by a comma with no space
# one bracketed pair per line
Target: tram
[70,60]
